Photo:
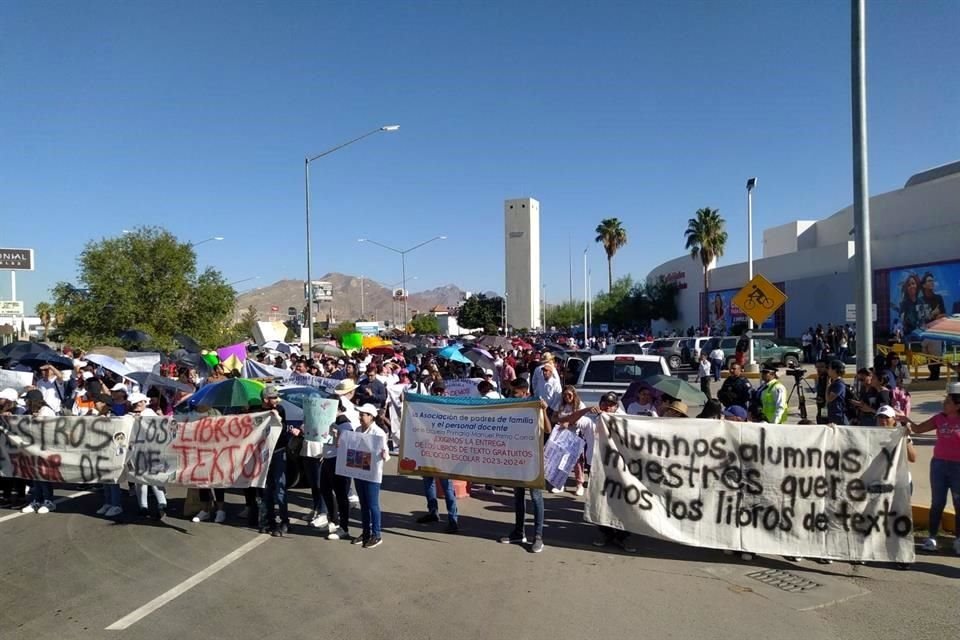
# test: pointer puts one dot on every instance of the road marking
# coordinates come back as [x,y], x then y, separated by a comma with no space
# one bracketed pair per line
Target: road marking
[57,501]
[138,614]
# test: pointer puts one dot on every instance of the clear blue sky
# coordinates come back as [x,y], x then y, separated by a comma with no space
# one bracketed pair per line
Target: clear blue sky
[197,116]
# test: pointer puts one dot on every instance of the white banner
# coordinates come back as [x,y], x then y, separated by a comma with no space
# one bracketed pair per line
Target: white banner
[488,441]
[87,450]
[307,380]
[794,490]
[358,456]
[219,452]
[462,387]
[141,361]
[560,455]
[18,380]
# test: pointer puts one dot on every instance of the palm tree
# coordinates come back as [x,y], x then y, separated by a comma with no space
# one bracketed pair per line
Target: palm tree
[612,235]
[45,312]
[706,240]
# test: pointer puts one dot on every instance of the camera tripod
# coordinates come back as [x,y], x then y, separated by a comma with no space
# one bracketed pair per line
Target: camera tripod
[798,387]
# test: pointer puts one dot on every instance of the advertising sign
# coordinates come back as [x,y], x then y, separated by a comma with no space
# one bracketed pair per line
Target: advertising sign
[322,291]
[723,313]
[921,294]
[368,328]
[16,259]
[11,308]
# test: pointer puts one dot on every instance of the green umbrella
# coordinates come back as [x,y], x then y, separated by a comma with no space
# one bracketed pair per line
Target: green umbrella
[329,350]
[677,388]
[231,393]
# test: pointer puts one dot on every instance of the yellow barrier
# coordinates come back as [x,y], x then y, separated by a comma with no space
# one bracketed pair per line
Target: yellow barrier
[921,519]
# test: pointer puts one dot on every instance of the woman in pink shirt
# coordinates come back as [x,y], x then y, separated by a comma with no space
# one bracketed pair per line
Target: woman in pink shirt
[945,466]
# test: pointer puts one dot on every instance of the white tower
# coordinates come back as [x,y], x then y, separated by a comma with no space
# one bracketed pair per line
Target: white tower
[522,252]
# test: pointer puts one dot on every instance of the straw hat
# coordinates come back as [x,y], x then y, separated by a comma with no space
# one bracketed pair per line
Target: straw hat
[345,386]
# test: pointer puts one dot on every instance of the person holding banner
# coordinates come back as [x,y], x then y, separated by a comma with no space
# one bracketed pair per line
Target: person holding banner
[275,492]
[430,489]
[583,426]
[518,536]
[369,491]
[13,488]
[335,488]
[41,491]
[138,407]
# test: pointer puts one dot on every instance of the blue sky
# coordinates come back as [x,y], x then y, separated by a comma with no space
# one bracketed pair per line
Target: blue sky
[197,116]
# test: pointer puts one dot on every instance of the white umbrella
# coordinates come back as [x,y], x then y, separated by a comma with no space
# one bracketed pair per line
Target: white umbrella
[280,347]
[109,363]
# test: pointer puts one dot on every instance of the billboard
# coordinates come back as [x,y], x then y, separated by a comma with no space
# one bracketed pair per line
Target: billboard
[368,328]
[920,294]
[322,291]
[723,314]
[16,259]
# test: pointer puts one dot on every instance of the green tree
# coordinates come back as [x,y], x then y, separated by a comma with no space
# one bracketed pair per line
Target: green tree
[480,311]
[565,314]
[342,329]
[706,240]
[425,324]
[612,235]
[146,280]
[248,321]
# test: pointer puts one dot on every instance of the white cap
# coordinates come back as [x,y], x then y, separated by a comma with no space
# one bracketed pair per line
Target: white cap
[368,409]
[79,364]
[9,394]
[887,411]
[119,387]
[87,375]
[954,389]
[488,372]
[137,398]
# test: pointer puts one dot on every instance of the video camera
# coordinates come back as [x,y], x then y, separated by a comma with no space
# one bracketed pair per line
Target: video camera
[799,374]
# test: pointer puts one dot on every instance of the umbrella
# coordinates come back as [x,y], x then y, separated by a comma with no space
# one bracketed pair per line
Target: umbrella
[553,346]
[453,354]
[114,352]
[495,342]
[22,349]
[276,345]
[135,336]
[480,357]
[231,393]
[330,350]
[187,343]
[193,360]
[520,344]
[384,350]
[146,380]
[49,357]
[677,388]
[111,364]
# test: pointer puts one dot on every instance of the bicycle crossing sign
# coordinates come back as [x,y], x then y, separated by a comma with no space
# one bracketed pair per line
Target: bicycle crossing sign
[759,299]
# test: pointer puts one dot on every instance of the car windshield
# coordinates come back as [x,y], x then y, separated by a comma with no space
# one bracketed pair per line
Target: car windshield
[627,347]
[660,344]
[616,371]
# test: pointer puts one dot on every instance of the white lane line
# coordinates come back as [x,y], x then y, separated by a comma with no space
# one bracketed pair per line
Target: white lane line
[57,501]
[138,614]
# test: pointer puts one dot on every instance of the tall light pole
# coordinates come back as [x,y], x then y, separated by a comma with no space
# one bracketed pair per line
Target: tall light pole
[393,301]
[589,303]
[306,183]
[544,307]
[751,184]
[403,264]
[506,327]
[861,194]
[586,295]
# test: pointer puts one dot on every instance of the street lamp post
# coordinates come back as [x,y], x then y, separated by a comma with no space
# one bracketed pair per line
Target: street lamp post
[306,184]
[751,184]
[393,301]
[210,239]
[505,308]
[403,264]
[586,295]
[861,193]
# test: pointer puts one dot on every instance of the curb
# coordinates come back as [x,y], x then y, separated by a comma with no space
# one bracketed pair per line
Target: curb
[921,518]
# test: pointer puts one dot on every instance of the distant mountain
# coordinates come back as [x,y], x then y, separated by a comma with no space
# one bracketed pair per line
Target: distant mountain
[377,304]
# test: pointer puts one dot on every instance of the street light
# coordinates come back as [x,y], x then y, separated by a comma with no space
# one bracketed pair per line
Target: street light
[306,183]
[403,263]
[210,239]
[751,184]
[393,301]
[230,284]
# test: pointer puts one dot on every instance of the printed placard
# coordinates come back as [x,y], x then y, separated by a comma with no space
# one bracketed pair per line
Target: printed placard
[561,453]
[358,456]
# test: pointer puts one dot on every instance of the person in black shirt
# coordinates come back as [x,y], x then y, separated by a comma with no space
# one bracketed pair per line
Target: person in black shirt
[822,382]
[836,394]
[371,390]
[736,389]
[874,396]
[275,492]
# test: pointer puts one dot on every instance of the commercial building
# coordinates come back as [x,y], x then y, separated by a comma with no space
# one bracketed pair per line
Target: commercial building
[915,239]
[521,218]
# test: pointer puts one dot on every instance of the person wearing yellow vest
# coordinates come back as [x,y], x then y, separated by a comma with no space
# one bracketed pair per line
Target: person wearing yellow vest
[773,397]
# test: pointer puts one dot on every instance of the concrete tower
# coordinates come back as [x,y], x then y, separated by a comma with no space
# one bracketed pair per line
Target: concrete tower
[521,219]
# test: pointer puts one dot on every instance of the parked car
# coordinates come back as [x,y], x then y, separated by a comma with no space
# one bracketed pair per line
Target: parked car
[670,349]
[690,352]
[634,346]
[765,351]
[609,372]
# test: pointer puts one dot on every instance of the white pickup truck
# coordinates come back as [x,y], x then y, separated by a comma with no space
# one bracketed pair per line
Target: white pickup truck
[609,372]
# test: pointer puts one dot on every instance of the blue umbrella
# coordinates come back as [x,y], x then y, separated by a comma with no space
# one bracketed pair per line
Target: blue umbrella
[453,354]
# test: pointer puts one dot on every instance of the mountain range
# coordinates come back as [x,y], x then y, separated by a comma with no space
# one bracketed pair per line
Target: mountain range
[377,301]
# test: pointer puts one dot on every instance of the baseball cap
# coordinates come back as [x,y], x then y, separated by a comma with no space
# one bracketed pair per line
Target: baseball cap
[136,398]
[736,411]
[271,391]
[9,394]
[887,411]
[369,409]
[119,387]
[488,372]
[87,375]
[954,389]
[610,398]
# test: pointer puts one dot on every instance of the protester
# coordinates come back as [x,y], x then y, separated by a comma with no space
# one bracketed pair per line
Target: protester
[52,387]
[674,408]
[430,487]
[945,465]
[583,426]
[644,405]
[275,491]
[14,489]
[369,491]
[518,535]
[836,397]
[138,407]
[703,374]
[41,491]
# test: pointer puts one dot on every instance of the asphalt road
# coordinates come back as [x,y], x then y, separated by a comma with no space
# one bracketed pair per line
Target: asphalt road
[70,574]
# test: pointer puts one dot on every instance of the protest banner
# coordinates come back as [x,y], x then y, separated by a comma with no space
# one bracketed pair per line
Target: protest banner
[395,406]
[218,452]
[485,441]
[462,387]
[358,456]
[17,380]
[253,369]
[307,380]
[318,414]
[560,455]
[796,490]
[86,450]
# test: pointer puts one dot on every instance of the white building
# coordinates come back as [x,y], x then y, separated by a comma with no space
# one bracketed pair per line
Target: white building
[521,219]
[914,232]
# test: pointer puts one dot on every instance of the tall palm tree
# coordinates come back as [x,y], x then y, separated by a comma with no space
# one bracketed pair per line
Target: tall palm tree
[706,240]
[45,312]
[612,235]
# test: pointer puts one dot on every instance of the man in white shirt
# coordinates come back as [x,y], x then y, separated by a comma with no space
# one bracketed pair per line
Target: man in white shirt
[716,361]
[52,387]
[548,388]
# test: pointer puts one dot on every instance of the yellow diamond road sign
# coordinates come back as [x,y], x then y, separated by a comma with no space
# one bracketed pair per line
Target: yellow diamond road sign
[759,299]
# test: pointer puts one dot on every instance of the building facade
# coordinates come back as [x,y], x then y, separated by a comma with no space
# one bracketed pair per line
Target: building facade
[915,236]
[521,219]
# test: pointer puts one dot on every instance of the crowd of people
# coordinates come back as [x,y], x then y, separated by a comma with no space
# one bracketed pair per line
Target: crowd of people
[361,382]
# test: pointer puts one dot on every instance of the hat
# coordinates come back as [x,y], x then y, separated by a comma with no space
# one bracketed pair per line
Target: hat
[547,357]
[424,373]
[679,406]
[610,398]
[271,391]
[769,368]
[9,394]
[887,411]
[488,372]
[34,395]
[341,362]
[87,375]
[953,389]
[368,408]
[136,398]
[119,387]
[79,364]
[345,386]
[736,411]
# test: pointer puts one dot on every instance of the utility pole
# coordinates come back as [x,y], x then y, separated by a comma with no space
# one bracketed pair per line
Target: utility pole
[861,193]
